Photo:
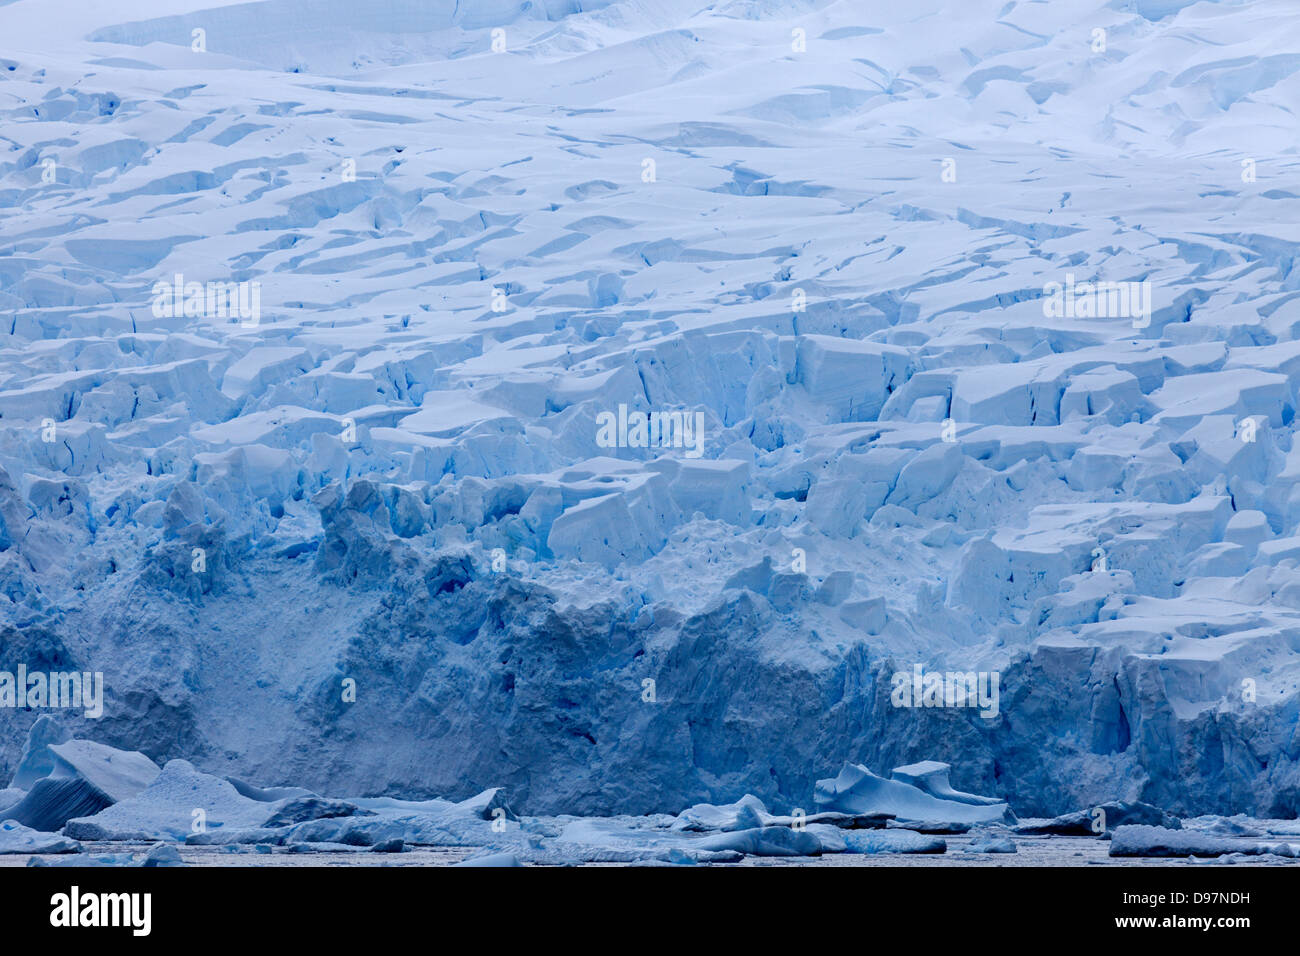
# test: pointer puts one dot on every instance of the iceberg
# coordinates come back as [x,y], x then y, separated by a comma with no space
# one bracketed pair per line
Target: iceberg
[1150,841]
[180,800]
[1103,818]
[85,777]
[859,791]
[16,838]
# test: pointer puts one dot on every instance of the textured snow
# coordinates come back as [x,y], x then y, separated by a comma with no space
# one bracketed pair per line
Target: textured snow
[394,473]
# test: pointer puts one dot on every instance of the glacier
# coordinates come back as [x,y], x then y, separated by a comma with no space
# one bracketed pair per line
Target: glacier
[604,401]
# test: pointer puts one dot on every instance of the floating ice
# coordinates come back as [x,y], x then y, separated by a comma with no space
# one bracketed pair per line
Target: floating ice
[37,761]
[708,816]
[765,841]
[858,790]
[988,843]
[1160,841]
[84,778]
[1104,817]
[490,860]
[16,838]
[932,777]
[891,841]
[181,800]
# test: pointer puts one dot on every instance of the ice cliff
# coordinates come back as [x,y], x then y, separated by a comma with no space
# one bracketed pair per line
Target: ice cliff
[608,400]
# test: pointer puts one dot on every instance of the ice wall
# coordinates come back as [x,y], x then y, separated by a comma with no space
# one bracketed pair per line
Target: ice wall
[395,519]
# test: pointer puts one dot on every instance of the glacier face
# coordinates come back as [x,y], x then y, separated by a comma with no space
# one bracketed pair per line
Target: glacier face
[332,335]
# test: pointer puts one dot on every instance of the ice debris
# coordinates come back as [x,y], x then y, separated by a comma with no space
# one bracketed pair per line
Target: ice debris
[990,843]
[857,790]
[16,838]
[84,778]
[179,801]
[1103,818]
[1153,841]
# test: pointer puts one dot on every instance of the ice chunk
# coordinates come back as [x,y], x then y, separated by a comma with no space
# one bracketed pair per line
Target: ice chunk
[932,777]
[852,377]
[263,366]
[83,860]
[485,805]
[600,530]
[491,860]
[85,778]
[37,761]
[163,854]
[299,809]
[929,826]
[891,841]
[1227,826]
[267,794]
[858,790]
[708,816]
[927,475]
[1136,840]
[987,843]
[179,799]
[16,838]
[1111,815]
[765,841]
[118,774]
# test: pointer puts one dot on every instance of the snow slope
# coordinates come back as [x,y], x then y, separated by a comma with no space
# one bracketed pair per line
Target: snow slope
[820,229]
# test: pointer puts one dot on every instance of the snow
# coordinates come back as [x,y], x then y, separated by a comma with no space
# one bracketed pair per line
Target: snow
[395,475]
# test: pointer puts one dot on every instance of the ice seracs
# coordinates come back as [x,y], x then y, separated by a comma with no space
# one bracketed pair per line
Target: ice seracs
[397,475]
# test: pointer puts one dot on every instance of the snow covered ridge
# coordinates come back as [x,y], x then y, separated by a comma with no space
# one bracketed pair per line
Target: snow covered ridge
[313,321]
